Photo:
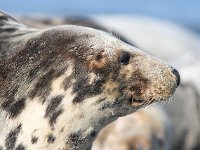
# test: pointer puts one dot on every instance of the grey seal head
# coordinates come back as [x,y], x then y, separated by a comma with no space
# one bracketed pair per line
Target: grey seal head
[60,86]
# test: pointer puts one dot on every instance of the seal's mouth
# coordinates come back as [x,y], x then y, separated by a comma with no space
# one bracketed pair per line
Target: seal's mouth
[135,102]
[132,100]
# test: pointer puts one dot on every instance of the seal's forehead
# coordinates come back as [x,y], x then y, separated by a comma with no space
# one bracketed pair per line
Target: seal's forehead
[95,40]
[106,40]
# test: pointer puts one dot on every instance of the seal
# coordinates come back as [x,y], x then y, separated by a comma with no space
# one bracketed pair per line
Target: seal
[146,129]
[60,86]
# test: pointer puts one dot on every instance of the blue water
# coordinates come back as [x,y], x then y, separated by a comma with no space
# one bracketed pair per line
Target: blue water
[185,11]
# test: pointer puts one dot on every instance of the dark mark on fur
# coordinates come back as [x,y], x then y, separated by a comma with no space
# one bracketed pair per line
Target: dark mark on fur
[7,30]
[55,116]
[20,147]
[34,139]
[62,130]
[86,90]
[43,85]
[12,137]
[5,21]
[14,108]
[51,138]
[1,148]
[74,139]
[67,82]
[52,110]
[93,133]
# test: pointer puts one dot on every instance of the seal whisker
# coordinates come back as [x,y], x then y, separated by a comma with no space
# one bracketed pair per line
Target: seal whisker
[108,28]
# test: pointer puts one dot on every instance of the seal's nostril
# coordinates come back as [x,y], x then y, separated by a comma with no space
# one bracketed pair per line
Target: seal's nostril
[175,72]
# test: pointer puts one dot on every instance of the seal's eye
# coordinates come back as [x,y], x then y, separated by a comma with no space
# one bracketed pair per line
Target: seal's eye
[124,60]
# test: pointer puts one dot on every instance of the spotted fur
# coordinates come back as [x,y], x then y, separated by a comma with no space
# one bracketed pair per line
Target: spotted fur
[60,86]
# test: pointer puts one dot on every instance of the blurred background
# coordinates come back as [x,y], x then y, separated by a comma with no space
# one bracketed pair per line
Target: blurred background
[168,29]
[180,11]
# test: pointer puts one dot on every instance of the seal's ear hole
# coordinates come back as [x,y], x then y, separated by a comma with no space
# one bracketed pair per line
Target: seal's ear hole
[124,59]
[99,57]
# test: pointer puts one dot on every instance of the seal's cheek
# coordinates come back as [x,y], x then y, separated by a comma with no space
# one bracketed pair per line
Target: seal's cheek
[110,90]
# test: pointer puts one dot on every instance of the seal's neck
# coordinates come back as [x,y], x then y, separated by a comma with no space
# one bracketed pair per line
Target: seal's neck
[83,122]
[57,123]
